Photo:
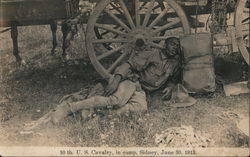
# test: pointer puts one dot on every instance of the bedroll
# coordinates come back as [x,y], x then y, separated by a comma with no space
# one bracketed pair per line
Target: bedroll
[198,67]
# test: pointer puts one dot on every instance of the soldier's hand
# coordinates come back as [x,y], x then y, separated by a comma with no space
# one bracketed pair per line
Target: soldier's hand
[167,92]
[112,86]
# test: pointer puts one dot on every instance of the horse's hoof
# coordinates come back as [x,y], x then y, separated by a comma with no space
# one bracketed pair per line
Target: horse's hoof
[65,58]
[60,113]
[53,53]
[21,64]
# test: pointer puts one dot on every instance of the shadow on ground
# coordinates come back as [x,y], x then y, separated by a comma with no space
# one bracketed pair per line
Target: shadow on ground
[29,92]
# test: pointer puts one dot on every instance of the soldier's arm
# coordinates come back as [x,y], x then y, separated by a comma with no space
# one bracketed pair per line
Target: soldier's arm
[124,70]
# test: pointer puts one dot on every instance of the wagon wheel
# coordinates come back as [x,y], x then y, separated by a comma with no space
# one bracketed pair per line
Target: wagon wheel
[100,33]
[147,23]
[242,21]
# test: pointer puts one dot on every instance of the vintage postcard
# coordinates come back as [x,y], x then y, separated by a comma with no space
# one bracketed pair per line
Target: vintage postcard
[124,77]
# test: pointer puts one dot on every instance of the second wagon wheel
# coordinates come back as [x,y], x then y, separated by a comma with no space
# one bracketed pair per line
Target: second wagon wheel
[242,24]
[131,20]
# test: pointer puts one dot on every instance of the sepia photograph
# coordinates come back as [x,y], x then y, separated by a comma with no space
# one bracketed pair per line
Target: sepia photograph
[124,77]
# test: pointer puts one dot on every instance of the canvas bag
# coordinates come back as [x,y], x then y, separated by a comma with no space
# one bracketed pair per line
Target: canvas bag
[198,67]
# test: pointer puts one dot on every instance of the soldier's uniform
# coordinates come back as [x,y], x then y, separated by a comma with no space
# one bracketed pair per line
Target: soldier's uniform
[145,70]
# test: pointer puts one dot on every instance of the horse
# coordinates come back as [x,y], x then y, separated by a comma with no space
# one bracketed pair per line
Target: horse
[18,13]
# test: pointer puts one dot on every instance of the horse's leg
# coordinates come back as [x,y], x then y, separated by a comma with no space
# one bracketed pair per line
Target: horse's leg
[14,34]
[66,35]
[53,27]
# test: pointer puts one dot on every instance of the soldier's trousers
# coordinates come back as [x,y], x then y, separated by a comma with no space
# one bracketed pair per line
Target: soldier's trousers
[129,97]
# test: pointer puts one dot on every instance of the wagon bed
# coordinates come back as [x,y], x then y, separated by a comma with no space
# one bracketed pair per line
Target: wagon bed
[114,26]
[23,12]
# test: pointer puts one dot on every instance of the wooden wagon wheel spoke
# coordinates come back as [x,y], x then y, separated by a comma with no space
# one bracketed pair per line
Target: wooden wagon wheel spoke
[118,20]
[118,61]
[166,26]
[103,34]
[159,46]
[106,54]
[148,14]
[108,28]
[104,30]
[161,40]
[97,41]
[159,17]
[127,14]
[157,38]
[137,13]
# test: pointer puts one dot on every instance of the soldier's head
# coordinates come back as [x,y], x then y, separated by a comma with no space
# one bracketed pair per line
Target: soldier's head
[172,46]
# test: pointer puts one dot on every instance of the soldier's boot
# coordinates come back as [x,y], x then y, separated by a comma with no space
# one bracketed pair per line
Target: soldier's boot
[62,111]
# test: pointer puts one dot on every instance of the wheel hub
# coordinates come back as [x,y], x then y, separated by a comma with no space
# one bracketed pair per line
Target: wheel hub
[138,37]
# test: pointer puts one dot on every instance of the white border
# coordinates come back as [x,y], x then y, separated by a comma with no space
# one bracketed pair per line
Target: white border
[124,151]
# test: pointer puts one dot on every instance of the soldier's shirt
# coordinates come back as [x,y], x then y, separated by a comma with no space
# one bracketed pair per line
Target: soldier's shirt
[152,68]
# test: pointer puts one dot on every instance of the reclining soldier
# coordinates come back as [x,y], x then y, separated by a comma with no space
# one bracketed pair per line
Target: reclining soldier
[145,70]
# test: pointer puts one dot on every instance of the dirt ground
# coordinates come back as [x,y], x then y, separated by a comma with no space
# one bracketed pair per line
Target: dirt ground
[27,93]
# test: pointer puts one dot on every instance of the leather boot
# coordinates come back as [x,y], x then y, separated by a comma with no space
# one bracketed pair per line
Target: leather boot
[62,111]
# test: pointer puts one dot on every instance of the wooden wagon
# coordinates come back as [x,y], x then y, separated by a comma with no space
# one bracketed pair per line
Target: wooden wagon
[115,25]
